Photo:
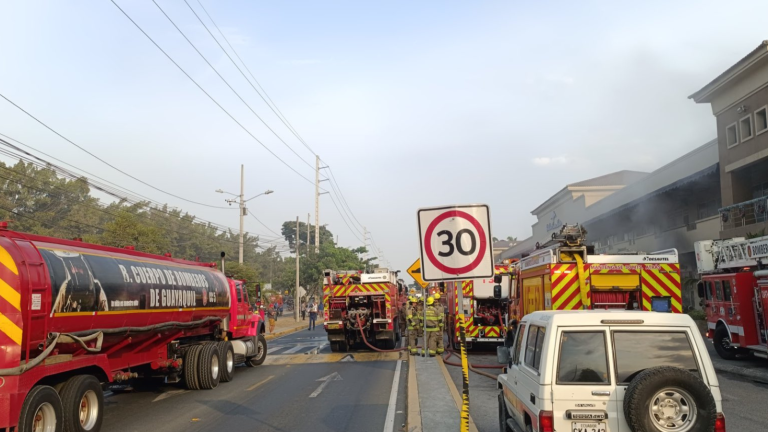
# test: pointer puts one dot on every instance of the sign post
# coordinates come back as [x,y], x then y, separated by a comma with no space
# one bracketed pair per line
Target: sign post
[456,244]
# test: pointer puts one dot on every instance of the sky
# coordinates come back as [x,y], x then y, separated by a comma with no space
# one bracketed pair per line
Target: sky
[411,104]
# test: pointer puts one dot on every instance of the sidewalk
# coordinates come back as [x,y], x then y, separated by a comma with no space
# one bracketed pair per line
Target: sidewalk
[286,324]
[434,402]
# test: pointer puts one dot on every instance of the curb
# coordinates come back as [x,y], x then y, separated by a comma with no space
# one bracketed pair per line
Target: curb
[413,417]
[288,331]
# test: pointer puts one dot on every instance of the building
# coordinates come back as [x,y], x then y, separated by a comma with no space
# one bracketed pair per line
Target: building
[569,205]
[739,100]
[500,246]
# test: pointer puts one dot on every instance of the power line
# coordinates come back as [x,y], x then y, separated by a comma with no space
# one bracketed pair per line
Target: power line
[102,160]
[264,225]
[222,78]
[280,115]
[344,219]
[209,96]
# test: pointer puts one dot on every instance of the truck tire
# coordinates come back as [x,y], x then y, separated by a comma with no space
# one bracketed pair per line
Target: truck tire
[191,358]
[209,370]
[41,411]
[722,341]
[82,402]
[334,347]
[389,344]
[665,398]
[261,352]
[227,357]
[503,414]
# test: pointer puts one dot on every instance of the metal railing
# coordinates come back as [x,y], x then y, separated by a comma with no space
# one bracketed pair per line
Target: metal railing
[744,213]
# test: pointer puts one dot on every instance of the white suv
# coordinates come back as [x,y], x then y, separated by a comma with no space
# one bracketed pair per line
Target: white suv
[608,371]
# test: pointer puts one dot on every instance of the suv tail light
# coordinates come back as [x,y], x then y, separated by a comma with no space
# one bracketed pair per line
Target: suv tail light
[720,423]
[547,422]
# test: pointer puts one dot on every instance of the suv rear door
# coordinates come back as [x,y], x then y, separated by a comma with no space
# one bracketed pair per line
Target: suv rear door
[583,387]
[637,348]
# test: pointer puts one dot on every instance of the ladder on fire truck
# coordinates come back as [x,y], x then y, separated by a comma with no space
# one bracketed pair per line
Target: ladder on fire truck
[733,253]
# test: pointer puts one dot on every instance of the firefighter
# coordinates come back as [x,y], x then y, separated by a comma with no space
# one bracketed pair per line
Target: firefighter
[440,348]
[432,326]
[413,319]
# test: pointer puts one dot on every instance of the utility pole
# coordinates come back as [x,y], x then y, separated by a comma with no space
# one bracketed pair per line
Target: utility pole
[317,204]
[296,293]
[242,209]
[308,234]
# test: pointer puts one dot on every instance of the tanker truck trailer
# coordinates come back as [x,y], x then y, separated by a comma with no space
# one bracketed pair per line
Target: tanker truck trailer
[75,316]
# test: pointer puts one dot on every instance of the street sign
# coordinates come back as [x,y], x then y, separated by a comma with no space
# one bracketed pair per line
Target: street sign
[415,271]
[455,242]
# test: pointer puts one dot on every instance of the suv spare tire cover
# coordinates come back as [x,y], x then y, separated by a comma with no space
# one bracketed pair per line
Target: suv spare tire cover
[646,385]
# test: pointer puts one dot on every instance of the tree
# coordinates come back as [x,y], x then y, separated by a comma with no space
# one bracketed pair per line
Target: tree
[512,239]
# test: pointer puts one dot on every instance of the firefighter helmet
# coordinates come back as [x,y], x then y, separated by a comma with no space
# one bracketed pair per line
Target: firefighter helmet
[436,296]
[430,300]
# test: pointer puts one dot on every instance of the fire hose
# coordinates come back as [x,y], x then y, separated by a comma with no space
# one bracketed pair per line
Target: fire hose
[472,367]
[362,335]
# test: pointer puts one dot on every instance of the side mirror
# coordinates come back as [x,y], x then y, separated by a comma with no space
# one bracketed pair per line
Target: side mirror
[700,286]
[502,354]
[497,291]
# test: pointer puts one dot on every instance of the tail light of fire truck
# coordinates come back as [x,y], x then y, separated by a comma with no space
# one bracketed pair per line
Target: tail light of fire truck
[389,312]
[325,314]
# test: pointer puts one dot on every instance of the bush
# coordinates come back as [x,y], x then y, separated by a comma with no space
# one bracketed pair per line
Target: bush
[697,314]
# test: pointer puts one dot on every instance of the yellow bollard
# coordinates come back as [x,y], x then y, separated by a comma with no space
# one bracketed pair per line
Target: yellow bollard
[465,375]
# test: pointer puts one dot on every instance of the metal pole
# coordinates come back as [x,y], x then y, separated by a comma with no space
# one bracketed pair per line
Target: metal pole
[317,204]
[424,293]
[308,234]
[242,209]
[296,293]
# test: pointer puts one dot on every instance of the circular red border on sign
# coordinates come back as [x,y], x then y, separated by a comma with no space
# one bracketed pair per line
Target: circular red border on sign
[428,242]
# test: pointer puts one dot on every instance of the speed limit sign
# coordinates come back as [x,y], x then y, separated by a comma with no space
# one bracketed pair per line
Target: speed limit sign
[455,242]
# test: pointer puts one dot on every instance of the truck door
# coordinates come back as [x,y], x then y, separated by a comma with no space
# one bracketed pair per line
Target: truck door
[762,306]
[584,382]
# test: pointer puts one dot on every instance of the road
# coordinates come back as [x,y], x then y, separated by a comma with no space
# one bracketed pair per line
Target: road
[301,387]
[743,399]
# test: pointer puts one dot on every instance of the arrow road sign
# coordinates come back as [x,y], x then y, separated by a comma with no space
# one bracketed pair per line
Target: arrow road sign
[455,242]
[415,271]
[326,379]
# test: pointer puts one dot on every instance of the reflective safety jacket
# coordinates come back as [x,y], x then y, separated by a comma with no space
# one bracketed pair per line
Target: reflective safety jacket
[412,316]
[434,319]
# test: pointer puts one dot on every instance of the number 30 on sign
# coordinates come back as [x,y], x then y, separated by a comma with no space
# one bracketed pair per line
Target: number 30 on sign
[455,242]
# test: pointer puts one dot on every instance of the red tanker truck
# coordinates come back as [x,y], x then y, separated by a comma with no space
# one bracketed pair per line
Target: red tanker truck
[74,316]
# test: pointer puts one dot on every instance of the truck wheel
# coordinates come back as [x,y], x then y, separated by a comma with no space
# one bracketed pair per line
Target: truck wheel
[668,399]
[191,358]
[389,344]
[334,347]
[343,346]
[722,341]
[82,403]
[503,414]
[209,366]
[41,411]
[261,352]
[227,357]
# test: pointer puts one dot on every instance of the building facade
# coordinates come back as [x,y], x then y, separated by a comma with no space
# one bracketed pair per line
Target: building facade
[739,101]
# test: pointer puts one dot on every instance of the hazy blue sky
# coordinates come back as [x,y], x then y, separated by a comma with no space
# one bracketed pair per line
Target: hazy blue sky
[412,103]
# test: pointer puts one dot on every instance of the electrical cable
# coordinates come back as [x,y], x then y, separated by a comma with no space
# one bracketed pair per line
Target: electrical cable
[208,94]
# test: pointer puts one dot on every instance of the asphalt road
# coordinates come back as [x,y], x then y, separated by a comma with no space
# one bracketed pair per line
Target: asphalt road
[743,399]
[306,389]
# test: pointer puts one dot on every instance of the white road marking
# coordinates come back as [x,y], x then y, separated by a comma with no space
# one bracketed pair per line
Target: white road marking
[295,349]
[332,377]
[389,423]
[273,349]
[168,394]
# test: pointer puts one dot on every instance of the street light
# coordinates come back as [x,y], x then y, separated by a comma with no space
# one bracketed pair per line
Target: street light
[241,202]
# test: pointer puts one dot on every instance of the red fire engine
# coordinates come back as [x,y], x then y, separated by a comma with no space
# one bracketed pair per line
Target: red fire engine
[75,315]
[734,291]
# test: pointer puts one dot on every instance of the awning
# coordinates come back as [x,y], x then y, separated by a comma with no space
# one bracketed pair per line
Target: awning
[674,185]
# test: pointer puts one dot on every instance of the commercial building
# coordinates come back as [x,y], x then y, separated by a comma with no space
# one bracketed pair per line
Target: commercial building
[739,100]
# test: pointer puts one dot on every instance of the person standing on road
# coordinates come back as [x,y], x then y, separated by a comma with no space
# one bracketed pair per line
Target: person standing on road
[272,317]
[439,347]
[312,315]
[431,327]
[303,310]
[412,319]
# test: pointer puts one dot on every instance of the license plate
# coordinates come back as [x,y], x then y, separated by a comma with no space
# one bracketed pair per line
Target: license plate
[588,427]
[333,327]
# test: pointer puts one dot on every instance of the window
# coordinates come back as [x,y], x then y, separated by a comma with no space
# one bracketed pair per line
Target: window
[638,351]
[726,290]
[239,292]
[708,290]
[583,358]
[718,291]
[745,128]
[533,348]
[518,344]
[707,209]
[731,136]
[761,120]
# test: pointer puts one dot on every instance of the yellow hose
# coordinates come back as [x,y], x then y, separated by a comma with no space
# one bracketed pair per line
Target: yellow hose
[583,288]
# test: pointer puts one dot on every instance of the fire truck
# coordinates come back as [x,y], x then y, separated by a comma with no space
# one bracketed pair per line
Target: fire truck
[75,315]
[734,291]
[566,274]
[354,300]
[484,304]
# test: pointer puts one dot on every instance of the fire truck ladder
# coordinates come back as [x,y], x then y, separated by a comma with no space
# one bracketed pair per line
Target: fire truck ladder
[734,253]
